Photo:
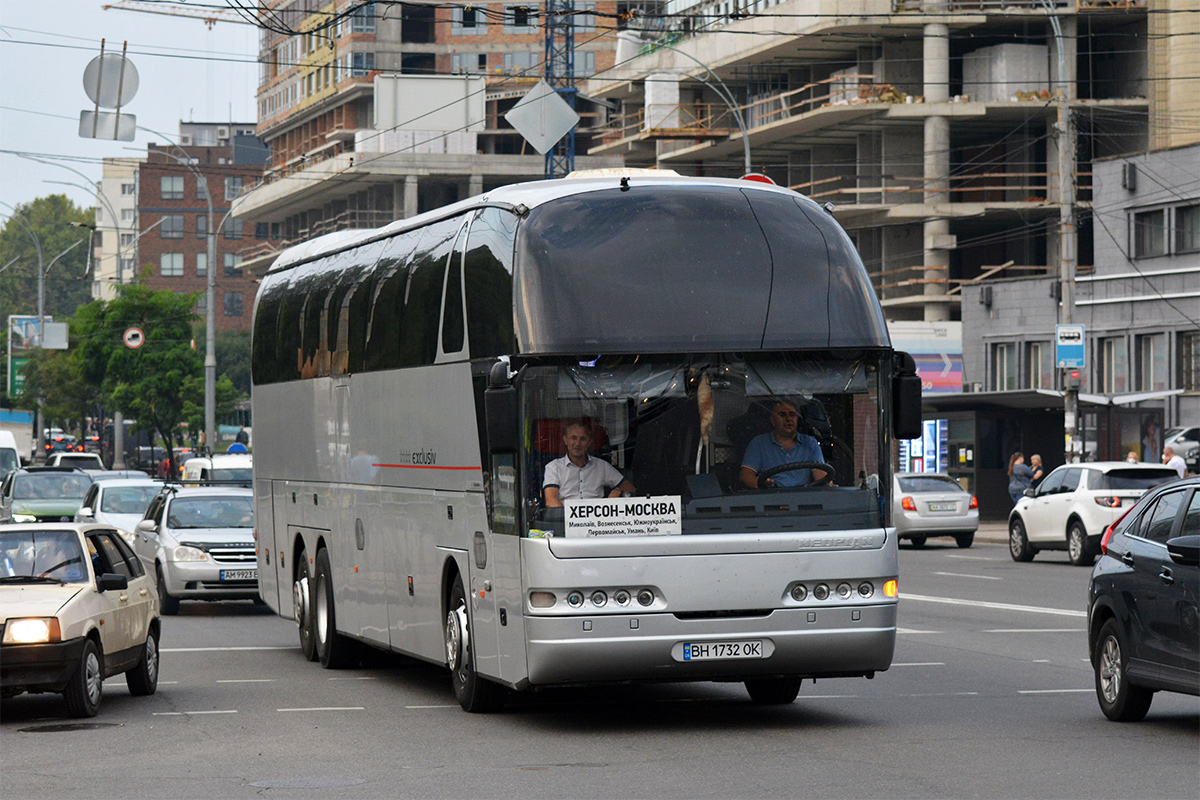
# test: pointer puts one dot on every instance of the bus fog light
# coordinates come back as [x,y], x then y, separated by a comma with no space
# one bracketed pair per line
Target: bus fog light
[845,591]
[575,599]
[621,597]
[866,589]
[645,597]
[799,592]
[542,599]
[599,598]
[821,591]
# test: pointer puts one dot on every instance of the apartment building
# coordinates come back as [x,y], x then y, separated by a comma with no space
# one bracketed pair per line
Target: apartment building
[335,163]
[214,162]
[115,241]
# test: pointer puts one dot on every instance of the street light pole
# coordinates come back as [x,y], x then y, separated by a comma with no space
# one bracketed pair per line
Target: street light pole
[19,215]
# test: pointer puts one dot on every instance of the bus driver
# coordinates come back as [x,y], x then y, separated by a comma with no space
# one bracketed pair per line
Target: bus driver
[579,476]
[783,445]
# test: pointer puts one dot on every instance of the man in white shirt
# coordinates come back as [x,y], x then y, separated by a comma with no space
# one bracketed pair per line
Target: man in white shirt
[1173,461]
[579,476]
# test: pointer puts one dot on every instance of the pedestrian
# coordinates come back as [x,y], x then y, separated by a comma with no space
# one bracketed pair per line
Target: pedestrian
[1020,476]
[1132,458]
[1173,461]
[242,437]
[1039,472]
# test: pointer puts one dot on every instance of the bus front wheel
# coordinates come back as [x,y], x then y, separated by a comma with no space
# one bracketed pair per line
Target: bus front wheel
[773,691]
[475,694]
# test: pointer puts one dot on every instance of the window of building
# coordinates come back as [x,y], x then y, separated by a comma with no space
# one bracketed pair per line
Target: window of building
[1039,364]
[201,226]
[202,304]
[468,63]
[128,189]
[233,304]
[1152,362]
[172,226]
[233,265]
[206,137]
[202,189]
[467,22]
[362,20]
[1150,233]
[1004,367]
[361,64]
[201,265]
[585,18]
[522,63]
[233,187]
[1189,361]
[1187,229]
[520,19]
[125,269]
[171,265]
[1113,366]
[126,240]
[233,228]
[172,187]
[128,214]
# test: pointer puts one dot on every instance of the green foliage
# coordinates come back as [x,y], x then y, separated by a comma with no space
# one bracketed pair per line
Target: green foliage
[67,285]
[233,359]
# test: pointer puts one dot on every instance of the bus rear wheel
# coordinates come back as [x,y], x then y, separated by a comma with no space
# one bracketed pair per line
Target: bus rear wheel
[333,649]
[773,691]
[474,693]
[302,603]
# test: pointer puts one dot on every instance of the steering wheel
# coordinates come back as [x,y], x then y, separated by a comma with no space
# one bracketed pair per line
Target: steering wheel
[773,471]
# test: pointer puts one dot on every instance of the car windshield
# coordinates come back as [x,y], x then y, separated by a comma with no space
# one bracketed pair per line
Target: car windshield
[1136,478]
[929,483]
[211,512]
[33,555]
[127,499]
[8,461]
[51,486]
[240,474]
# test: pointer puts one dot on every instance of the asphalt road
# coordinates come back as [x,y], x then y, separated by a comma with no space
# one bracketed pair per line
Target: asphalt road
[990,696]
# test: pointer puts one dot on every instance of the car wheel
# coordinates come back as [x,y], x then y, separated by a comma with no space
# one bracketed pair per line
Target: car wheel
[917,541]
[167,603]
[1077,546]
[1018,542]
[1120,700]
[475,694]
[964,540]
[84,689]
[334,650]
[302,603]
[143,679]
[773,691]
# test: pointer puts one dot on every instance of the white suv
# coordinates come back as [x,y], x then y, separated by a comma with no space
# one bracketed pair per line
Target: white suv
[1070,509]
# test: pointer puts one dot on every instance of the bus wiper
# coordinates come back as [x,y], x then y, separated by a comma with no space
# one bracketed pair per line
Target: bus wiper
[31,579]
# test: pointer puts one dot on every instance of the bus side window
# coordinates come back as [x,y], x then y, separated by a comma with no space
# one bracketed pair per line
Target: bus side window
[314,358]
[384,322]
[423,295]
[264,362]
[489,284]
[452,301]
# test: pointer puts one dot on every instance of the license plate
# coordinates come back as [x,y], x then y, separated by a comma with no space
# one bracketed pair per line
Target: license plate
[716,651]
[239,574]
[943,506]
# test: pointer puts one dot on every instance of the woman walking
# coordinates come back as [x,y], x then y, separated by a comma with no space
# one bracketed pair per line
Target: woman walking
[1020,476]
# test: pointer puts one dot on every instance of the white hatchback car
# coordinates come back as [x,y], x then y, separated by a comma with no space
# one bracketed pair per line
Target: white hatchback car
[121,503]
[76,607]
[930,504]
[1071,508]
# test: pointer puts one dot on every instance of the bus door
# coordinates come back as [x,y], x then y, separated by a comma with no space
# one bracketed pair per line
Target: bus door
[266,547]
[504,561]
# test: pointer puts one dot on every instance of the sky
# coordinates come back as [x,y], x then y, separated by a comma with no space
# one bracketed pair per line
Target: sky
[186,72]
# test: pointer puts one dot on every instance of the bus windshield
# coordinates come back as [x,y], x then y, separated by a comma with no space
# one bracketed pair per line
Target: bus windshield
[682,426]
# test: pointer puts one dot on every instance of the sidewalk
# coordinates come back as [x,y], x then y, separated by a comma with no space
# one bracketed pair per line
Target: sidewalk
[992,531]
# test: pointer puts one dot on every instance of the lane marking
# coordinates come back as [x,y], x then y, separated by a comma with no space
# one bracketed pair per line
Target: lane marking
[452,705]
[188,713]
[1055,691]
[964,575]
[1035,630]
[913,630]
[921,664]
[325,708]
[248,680]
[219,649]
[972,558]
[942,694]
[360,678]
[954,601]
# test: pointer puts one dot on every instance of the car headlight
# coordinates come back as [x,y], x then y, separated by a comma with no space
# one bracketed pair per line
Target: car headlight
[32,630]
[129,538]
[188,553]
[19,517]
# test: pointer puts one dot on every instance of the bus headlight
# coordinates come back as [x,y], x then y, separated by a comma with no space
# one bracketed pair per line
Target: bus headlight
[575,599]
[821,591]
[866,589]
[799,592]
[621,597]
[599,598]
[186,552]
[32,630]
[645,597]
[844,590]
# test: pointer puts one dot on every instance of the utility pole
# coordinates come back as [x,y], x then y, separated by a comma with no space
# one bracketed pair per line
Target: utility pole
[560,76]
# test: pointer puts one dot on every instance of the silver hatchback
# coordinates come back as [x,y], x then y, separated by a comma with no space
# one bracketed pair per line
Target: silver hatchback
[928,504]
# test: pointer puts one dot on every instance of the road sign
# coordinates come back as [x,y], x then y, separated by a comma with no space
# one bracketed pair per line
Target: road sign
[542,117]
[110,80]
[134,338]
[1070,349]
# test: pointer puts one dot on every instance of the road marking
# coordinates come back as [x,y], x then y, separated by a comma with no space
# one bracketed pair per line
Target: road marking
[1040,661]
[913,630]
[964,575]
[972,558]
[188,713]
[921,664]
[360,678]
[1055,691]
[167,683]
[325,708]
[1035,630]
[954,601]
[248,680]
[942,694]
[451,705]
[218,649]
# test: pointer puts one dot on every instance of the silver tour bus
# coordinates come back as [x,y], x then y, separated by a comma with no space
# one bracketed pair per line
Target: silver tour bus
[426,395]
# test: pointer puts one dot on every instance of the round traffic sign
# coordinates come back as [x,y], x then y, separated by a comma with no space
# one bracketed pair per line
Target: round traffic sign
[110,80]
[134,338]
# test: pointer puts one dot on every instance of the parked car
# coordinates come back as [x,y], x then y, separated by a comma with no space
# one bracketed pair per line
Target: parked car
[1186,444]
[199,542]
[120,503]
[928,504]
[1070,509]
[59,585]
[1143,608]
[75,459]
[42,494]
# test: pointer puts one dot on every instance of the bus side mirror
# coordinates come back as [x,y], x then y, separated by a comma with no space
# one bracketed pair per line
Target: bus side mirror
[501,410]
[906,398]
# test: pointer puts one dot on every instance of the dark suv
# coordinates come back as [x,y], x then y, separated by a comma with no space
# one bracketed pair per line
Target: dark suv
[1143,619]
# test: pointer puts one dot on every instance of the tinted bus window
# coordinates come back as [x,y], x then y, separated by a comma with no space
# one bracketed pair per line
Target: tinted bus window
[488,275]
[387,302]
[264,361]
[423,295]
[452,312]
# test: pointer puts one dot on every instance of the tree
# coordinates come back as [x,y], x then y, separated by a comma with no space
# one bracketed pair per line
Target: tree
[67,284]
[55,377]
[233,358]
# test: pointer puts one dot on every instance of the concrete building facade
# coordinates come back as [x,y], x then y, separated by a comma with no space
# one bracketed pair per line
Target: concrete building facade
[115,245]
